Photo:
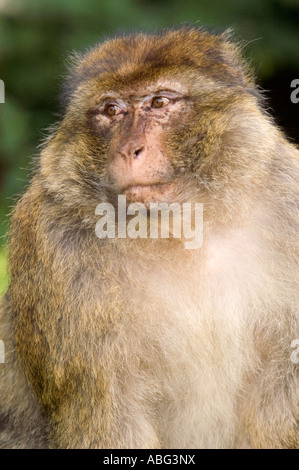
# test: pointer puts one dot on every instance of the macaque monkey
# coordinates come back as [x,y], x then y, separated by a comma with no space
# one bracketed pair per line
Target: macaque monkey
[124,342]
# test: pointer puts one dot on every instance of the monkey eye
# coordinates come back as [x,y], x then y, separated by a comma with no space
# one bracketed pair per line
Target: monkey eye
[160,101]
[112,109]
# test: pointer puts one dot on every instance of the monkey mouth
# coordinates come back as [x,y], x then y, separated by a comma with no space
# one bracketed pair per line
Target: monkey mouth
[146,193]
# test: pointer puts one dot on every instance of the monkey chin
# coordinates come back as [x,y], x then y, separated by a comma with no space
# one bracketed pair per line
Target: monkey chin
[146,194]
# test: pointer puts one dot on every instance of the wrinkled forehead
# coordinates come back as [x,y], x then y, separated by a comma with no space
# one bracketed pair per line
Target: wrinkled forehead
[143,89]
[136,56]
[133,63]
[155,52]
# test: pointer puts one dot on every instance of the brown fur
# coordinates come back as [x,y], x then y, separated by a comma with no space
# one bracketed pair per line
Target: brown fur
[140,343]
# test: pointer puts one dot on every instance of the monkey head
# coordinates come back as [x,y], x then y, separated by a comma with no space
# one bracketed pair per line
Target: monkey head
[146,116]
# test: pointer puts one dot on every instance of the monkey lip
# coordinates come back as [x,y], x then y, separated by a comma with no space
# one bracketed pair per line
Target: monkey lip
[157,192]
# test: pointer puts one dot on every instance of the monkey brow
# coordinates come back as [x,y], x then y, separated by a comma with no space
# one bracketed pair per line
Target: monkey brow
[157,91]
[149,94]
[109,97]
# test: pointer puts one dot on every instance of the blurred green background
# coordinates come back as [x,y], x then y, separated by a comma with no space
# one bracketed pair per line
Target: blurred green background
[36,37]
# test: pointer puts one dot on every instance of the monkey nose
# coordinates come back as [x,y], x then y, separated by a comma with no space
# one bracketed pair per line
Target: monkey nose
[132,152]
[138,152]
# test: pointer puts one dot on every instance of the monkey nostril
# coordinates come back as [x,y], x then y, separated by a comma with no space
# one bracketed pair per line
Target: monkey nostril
[138,152]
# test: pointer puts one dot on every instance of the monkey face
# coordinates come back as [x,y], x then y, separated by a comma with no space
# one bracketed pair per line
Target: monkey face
[145,116]
[138,125]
